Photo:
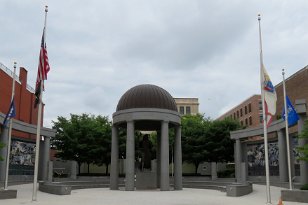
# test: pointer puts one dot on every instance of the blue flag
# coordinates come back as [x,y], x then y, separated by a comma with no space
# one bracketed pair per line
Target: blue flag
[11,113]
[292,115]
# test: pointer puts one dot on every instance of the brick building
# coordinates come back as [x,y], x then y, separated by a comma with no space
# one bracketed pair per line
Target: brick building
[247,113]
[24,98]
[296,88]
[24,124]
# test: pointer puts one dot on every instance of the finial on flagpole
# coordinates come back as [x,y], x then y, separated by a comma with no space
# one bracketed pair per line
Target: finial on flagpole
[15,64]
[283,71]
[46,8]
[259,17]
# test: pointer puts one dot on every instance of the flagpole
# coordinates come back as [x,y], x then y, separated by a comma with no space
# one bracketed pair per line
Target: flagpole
[38,130]
[10,135]
[287,130]
[268,191]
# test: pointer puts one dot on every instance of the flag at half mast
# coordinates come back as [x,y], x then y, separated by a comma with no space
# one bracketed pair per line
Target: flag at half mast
[270,96]
[43,69]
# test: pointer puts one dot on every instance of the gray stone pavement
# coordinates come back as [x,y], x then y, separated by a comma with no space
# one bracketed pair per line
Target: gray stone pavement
[104,196]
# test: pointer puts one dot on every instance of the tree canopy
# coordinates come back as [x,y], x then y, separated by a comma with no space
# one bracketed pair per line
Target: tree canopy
[84,138]
[304,149]
[204,140]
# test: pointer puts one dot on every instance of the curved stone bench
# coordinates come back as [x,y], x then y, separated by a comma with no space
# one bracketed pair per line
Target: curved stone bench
[55,188]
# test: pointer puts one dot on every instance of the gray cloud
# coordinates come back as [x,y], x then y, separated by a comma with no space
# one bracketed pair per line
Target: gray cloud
[205,49]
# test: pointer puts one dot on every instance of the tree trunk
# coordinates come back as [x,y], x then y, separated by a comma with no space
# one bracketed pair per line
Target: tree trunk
[107,166]
[79,165]
[196,167]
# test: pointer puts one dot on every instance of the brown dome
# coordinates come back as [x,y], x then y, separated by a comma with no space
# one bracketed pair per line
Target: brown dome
[146,96]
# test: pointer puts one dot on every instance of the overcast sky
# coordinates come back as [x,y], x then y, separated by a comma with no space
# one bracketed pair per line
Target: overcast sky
[98,49]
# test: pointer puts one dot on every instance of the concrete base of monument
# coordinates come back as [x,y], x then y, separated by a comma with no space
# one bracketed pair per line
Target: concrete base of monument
[8,194]
[146,180]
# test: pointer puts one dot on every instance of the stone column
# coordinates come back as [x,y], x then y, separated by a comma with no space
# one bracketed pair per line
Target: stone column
[238,160]
[244,163]
[214,170]
[73,171]
[50,171]
[3,152]
[292,156]
[114,167]
[283,163]
[41,161]
[164,158]
[158,157]
[178,159]
[46,158]
[130,157]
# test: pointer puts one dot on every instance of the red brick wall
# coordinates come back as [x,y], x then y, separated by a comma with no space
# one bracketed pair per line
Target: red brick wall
[254,114]
[296,88]
[24,100]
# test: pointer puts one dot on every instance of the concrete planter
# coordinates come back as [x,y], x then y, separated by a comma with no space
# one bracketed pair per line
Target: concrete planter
[295,195]
[8,194]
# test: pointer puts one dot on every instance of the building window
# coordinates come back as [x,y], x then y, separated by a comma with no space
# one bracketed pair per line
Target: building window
[246,121]
[237,114]
[249,107]
[188,112]
[245,110]
[250,120]
[234,115]
[182,110]
[241,112]
[260,105]
[242,123]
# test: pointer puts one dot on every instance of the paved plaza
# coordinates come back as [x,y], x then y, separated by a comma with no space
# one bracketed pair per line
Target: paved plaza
[104,196]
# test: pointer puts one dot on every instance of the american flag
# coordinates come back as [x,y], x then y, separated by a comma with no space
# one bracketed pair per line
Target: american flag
[43,69]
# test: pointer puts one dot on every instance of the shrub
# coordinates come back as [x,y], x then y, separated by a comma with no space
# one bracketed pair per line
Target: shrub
[305,187]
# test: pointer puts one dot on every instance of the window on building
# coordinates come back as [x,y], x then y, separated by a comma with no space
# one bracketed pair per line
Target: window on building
[245,110]
[188,112]
[250,120]
[249,107]
[246,121]
[182,110]
[260,105]
[234,115]
[242,123]
[241,112]
[261,118]
[237,114]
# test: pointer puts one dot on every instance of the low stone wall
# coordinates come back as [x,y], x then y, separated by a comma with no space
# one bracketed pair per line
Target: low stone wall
[8,194]
[295,195]
[239,189]
[57,189]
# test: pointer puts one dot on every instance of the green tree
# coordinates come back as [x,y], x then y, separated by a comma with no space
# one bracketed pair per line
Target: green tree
[84,138]
[204,140]
[219,146]
[304,149]
[193,139]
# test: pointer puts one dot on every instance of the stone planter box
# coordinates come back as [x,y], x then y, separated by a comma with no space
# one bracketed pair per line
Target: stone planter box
[235,190]
[8,194]
[295,195]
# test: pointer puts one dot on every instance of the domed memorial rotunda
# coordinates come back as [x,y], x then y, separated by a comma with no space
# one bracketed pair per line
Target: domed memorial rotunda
[147,108]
